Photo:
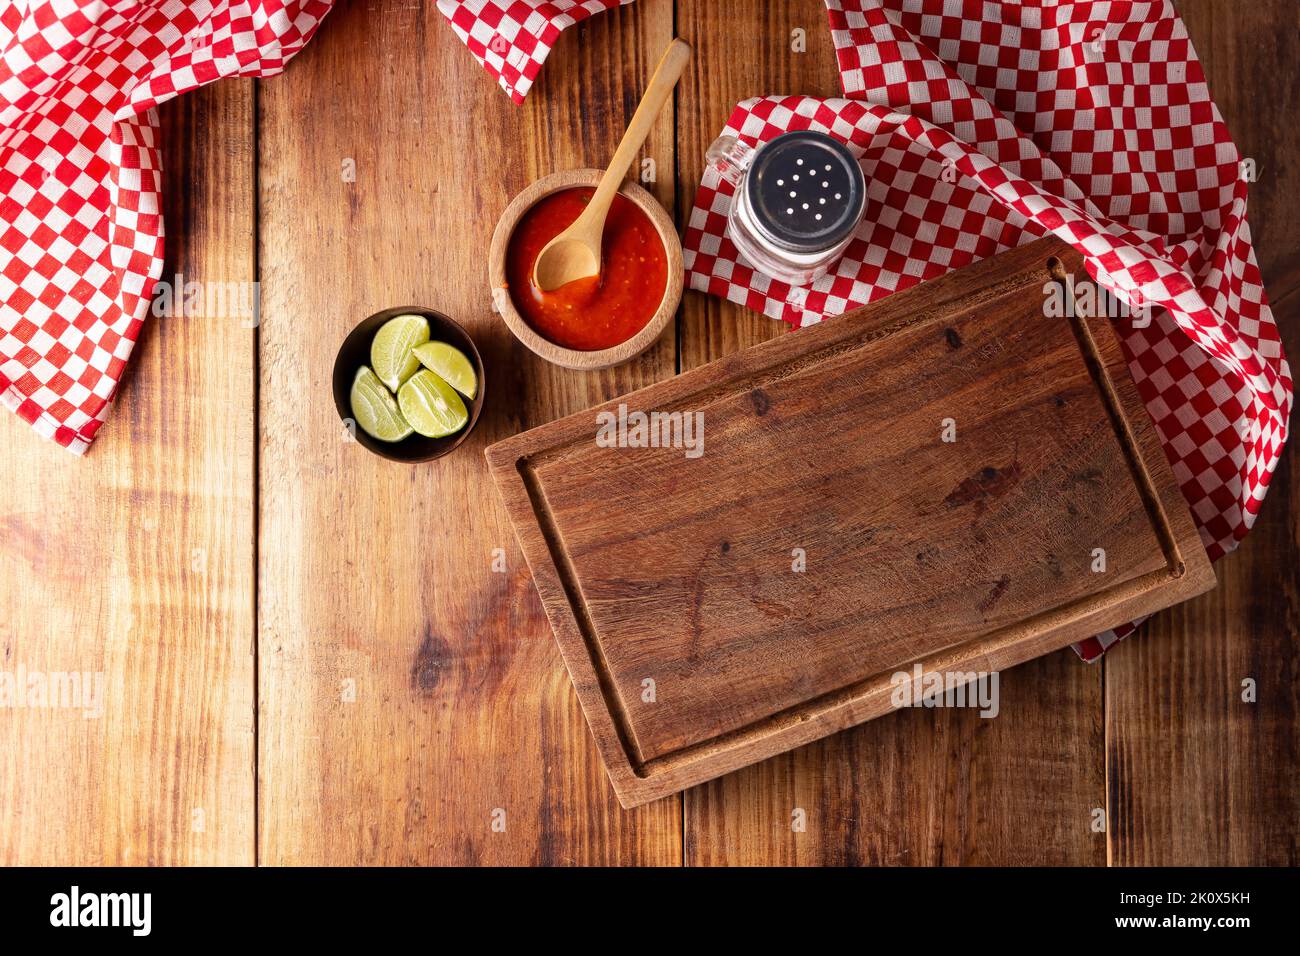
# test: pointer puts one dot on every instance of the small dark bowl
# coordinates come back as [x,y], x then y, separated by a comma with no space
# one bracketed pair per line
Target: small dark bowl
[355,352]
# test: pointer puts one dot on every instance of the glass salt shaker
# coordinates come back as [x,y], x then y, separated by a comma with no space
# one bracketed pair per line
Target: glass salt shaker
[798,199]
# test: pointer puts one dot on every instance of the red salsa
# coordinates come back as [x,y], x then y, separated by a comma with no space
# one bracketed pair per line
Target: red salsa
[595,313]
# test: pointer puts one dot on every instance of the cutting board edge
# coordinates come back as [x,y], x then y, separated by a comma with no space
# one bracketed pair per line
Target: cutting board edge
[1167,507]
[711,759]
[600,701]
[612,730]
[636,789]
[880,318]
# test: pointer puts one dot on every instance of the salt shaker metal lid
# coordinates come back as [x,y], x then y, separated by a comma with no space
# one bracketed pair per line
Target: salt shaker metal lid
[805,191]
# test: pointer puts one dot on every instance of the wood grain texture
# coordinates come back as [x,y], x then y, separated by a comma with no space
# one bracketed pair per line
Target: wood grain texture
[137,560]
[1017,789]
[1196,775]
[668,559]
[379,577]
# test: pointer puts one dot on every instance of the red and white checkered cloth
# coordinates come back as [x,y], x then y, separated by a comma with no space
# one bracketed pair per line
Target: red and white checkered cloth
[985,125]
[80,225]
[512,37]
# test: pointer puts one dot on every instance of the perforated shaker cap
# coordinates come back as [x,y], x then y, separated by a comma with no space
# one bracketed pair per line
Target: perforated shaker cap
[806,191]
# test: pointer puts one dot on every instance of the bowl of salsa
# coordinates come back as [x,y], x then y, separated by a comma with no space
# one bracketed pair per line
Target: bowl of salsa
[596,322]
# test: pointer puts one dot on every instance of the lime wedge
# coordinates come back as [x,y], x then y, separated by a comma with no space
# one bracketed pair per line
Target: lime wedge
[451,364]
[431,405]
[375,409]
[390,352]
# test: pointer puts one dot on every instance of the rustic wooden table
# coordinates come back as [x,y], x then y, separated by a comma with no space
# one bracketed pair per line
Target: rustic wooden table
[310,657]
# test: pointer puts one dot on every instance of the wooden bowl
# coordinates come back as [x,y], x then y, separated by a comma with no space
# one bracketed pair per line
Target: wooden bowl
[355,352]
[558,354]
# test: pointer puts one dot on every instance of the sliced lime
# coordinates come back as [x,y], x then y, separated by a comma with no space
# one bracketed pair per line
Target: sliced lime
[390,352]
[431,405]
[375,409]
[450,363]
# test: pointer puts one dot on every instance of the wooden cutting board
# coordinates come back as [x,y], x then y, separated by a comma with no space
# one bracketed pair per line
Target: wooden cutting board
[718,607]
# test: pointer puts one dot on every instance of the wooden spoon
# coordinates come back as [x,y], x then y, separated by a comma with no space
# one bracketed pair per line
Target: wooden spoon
[575,253]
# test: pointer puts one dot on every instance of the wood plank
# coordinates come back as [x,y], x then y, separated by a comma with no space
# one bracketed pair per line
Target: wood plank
[137,561]
[381,574]
[921,787]
[1197,775]
[645,577]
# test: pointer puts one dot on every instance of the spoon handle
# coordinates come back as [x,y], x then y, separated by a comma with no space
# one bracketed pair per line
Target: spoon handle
[665,77]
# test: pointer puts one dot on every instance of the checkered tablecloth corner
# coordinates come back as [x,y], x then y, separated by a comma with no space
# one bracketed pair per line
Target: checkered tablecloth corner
[81,232]
[982,126]
[511,38]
